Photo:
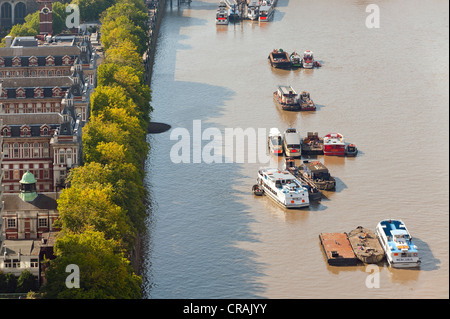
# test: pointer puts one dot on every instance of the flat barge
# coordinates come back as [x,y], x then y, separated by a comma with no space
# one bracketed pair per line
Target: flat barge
[338,249]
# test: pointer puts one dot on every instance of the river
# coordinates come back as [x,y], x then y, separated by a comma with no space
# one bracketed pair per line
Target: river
[385,89]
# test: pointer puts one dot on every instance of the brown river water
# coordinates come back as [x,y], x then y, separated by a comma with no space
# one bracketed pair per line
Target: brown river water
[385,89]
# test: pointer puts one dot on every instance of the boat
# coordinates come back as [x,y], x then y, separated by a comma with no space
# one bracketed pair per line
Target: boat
[292,143]
[305,102]
[257,190]
[283,188]
[313,192]
[333,144]
[351,150]
[275,142]
[296,60]
[312,144]
[253,10]
[222,16]
[366,245]
[265,12]
[319,174]
[397,244]
[233,9]
[338,250]
[279,58]
[286,98]
[308,61]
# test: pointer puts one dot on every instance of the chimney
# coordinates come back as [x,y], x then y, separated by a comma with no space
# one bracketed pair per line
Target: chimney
[8,41]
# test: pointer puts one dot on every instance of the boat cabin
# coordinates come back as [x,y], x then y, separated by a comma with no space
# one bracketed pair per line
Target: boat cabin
[287,94]
[292,143]
[308,56]
[316,170]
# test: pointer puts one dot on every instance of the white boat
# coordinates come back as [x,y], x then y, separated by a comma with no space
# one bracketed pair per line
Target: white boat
[308,59]
[283,188]
[292,143]
[253,10]
[275,141]
[265,12]
[397,244]
[222,16]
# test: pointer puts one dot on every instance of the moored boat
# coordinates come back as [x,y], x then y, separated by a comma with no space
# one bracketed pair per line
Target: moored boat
[279,59]
[275,141]
[312,144]
[253,10]
[305,102]
[313,192]
[292,143]
[397,244]
[351,150]
[283,188]
[308,59]
[319,174]
[366,245]
[334,144]
[222,16]
[286,98]
[265,12]
[296,59]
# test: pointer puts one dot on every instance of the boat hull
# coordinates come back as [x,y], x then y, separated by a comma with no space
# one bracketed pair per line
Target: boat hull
[333,150]
[366,245]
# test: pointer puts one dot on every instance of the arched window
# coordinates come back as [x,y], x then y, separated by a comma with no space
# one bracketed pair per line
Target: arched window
[6,15]
[20,11]
[26,150]
[61,156]
[16,150]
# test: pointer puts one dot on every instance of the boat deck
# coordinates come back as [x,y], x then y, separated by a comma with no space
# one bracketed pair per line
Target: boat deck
[338,250]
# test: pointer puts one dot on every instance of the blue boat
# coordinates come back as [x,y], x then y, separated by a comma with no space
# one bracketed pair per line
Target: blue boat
[397,244]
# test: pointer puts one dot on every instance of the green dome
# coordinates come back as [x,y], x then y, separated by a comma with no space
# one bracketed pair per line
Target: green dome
[28,178]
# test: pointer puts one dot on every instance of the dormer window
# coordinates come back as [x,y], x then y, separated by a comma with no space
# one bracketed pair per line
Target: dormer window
[56,92]
[66,60]
[6,131]
[25,131]
[20,93]
[33,61]
[38,93]
[44,130]
[16,61]
[50,61]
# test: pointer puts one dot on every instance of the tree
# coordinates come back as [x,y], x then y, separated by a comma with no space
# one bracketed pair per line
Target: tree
[104,271]
[26,282]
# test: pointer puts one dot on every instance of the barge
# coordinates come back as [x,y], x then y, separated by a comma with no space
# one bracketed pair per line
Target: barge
[338,250]
[313,191]
[279,58]
[366,245]
[306,104]
[319,174]
[312,144]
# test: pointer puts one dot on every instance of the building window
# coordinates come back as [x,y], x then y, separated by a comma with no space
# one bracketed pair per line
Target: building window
[36,150]
[45,174]
[16,150]
[61,156]
[26,151]
[11,223]
[16,263]
[6,150]
[45,149]
[34,263]
[42,222]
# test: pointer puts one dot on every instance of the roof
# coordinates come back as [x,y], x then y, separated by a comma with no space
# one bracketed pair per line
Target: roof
[32,82]
[24,246]
[43,201]
[315,166]
[32,118]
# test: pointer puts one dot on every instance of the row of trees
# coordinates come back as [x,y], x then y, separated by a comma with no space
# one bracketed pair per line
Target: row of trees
[9,283]
[104,209]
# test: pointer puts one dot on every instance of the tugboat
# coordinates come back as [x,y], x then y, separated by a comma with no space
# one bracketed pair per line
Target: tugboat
[319,174]
[313,192]
[275,142]
[351,150]
[296,60]
[333,144]
[283,188]
[286,98]
[279,58]
[308,60]
[306,103]
[365,245]
[397,243]
[312,144]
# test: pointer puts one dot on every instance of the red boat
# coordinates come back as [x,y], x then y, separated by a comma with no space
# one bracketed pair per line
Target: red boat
[334,144]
